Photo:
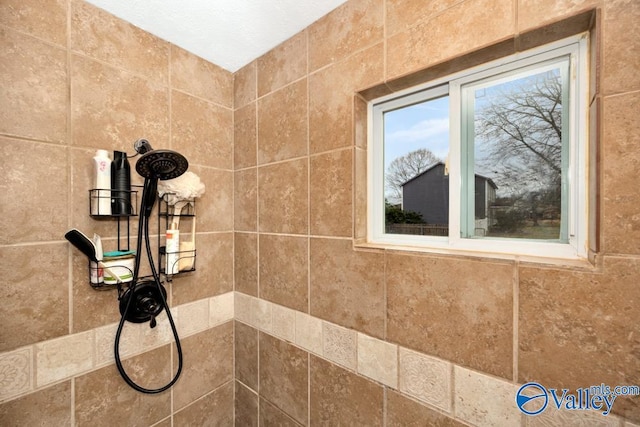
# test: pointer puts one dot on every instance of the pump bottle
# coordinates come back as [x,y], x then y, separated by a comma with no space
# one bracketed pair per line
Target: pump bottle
[101,197]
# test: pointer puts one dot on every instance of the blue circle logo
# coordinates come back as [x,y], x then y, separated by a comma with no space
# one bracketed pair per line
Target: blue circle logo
[532,398]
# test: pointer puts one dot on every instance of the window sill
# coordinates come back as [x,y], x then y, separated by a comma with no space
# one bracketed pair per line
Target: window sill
[573,263]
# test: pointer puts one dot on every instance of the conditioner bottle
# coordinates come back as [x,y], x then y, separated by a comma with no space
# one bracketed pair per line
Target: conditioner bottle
[101,196]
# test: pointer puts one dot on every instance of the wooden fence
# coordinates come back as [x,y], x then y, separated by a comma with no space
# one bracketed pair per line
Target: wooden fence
[418,229]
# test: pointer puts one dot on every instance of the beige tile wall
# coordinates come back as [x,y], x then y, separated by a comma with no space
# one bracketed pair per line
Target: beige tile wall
[74,79]
[490,324]
[281,147]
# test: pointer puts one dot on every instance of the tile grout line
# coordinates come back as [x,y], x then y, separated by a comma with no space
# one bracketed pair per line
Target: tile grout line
[70,216]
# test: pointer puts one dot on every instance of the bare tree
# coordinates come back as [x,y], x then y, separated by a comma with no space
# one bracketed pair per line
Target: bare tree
[519,133]
[403,168]
[519,138]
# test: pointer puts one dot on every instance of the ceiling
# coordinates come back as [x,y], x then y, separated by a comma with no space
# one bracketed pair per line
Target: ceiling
[228,33]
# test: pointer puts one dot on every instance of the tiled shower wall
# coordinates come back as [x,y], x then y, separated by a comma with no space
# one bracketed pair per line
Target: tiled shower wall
[75,79]
[320,312]
[309,297]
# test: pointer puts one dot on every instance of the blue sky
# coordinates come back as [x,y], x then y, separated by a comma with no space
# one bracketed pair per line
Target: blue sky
[423,125]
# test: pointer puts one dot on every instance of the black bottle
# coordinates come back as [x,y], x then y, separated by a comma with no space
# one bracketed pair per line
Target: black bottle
[120,185]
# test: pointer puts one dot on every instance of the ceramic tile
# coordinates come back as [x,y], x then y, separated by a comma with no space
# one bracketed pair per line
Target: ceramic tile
[246,263]
[214,269]
[27,319]
[246,407]
[339,345]
[214,209]
[309,333]
[557,30]
[261,314]
[44,21]
[64,357]
[209,364]
[17,373]
[449,34]
[270,415]
[242,307]
[51,406]
[425,378]
[214,409]
[164,423]
[621,160]
[245,134]
[284,323]
[194,75]
[97,88]
[192,318]
[101,35]
[331,93]
[284,271]
[433,304]
[220,309]
[579,328]
[554,417]
[154,337]
[246,355]
[347,285]
[81,172]
[339,397]
[330,188]
[474,405]
[283,64]
[347,29]
[35,93]
[284,376]
[99,394]
[378,360]
[402,412]
[360,186]
[283,200]
[282,123]
[245,85]
[91,308]
[202,131]
[246,200]
[130,343]
[533,15]
[595,173]
[403,14]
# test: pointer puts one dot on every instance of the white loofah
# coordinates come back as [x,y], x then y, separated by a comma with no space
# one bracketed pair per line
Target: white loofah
[185,187]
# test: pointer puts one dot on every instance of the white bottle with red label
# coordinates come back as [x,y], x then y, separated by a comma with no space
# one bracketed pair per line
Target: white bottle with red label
[101,197]
[172,250]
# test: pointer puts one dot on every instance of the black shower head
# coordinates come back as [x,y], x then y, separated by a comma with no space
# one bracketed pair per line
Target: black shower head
[160,164]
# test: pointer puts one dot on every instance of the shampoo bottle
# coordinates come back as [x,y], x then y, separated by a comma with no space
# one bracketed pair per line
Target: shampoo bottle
[172,250]
[101,197]
[120,185]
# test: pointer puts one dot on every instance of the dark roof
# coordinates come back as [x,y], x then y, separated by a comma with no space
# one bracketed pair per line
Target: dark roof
[433,166]
[422,173]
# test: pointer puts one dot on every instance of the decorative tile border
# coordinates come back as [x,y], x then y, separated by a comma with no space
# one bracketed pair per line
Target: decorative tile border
[63,358]
[16,374]
[458,392]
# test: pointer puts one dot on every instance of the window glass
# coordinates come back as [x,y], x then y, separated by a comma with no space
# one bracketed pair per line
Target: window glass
[516,156]
[490,159]
[416,146]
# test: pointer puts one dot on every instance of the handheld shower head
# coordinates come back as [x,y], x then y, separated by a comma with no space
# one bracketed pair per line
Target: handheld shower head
[160,164]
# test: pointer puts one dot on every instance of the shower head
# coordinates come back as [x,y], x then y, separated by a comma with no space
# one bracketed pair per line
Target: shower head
[160,164]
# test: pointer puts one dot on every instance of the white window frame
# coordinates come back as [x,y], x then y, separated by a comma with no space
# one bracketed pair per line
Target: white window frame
[576,48]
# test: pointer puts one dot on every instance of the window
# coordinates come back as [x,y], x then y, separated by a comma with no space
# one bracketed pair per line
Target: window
[492,159]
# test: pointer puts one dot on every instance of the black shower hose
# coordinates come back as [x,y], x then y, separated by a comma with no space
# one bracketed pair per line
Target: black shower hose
[144,225]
